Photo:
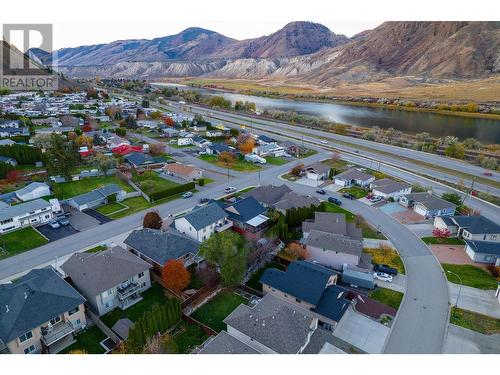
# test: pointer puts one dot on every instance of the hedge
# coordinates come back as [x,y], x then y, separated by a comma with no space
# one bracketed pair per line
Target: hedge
[171,191]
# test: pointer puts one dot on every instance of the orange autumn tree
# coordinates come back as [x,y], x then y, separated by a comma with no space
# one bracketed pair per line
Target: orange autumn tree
[296,251]
[247,146]
[175,275]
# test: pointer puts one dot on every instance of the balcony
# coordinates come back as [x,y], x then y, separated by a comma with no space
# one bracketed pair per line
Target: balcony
[225,225]
[57,332]
[126,291]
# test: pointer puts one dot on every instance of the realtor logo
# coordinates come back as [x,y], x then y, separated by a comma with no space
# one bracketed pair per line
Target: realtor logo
[19,72]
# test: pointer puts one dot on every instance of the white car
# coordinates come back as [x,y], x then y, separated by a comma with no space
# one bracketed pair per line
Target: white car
[54,224]
[229,189]
[376,198]
[382,276]
[324,142]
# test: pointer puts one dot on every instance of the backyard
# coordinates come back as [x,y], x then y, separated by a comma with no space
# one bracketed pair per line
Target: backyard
[386,255]
[238,165]
[470,275]
[88,340]
[19,241]
[187,337]
[474,321]
[151,182]
[217,309]
[387,297]
[70,189]
[254,282]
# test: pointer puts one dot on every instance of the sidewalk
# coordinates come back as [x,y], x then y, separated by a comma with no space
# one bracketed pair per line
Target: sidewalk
[477,300]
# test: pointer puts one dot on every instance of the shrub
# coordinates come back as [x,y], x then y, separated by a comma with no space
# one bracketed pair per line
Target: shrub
[152,220]
[201,182]
[121,132]
[172,191]
[495,271]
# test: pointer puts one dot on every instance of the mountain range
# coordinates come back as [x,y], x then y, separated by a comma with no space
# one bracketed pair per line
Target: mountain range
[301,51]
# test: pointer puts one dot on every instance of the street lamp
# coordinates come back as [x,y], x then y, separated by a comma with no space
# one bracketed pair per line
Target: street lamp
[459,290]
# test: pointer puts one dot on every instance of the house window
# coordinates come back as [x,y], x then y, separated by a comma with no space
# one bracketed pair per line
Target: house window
[47,216]
[73,311]
[29,350]
[26,336]
[57,319]
[298,300]
[141,275]
[78,322]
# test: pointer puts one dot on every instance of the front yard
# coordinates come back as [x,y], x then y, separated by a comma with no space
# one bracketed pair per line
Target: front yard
[70,189]
[274,160]
[388,297]
[217,309]
[19,241]
[155,294]
[356,191]
[88,340]
[151,182]
[443,241]
[239,165]
[386,256]
[474,321]
[471,276]
[254,282]
[330,207]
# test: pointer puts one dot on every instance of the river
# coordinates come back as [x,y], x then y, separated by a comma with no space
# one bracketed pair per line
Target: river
[437,125]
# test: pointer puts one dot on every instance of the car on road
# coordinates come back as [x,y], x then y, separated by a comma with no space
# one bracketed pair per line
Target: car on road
[385,269]
[204,200]
[375,198]
[489,174]
[63,220]
[321,191]
[334,201]
[382,276]
[187,194]
[324,142]
[348,196]
[230,189]
[54,224]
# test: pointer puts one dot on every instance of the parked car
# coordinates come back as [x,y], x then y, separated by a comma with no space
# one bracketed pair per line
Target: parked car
[63,220]
[204,200]
[334,201]
[375,198]
[385,269]
[187,194]
[54,224]
[348,196]
[382,276]
[229,189]
[489,174]
[321,191]
[324,142]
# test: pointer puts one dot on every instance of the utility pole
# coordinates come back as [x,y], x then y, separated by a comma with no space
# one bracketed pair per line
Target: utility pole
[459,290]
[470,190]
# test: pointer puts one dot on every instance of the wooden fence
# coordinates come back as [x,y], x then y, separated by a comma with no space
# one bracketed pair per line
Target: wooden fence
[103,327]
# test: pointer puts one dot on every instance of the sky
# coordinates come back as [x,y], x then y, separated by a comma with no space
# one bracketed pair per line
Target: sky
[102,21]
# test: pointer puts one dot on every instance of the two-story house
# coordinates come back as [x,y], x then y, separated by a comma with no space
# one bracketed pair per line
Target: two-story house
[31,213]
[202,222]
[108,279]
[39,313]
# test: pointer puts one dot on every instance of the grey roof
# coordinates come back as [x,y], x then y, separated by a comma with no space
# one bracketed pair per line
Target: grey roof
[387,185]
[429,201]
[304,280]
[477,224]
[138,158]
[485,247]
[23,208]
[224,343]
[204,216]
[6,142]
[97,272]
[265,138]
[160,246]
[31,188]
[326,222]
[268,194]
[324,342]
[354,174]
[275,323]
[318,168]
[294,200]
[334,242]
[97,194]
[33,300]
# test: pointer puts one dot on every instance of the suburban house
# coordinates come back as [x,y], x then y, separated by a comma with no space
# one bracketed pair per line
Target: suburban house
[247,215]
[111,278]
[311,286]
[8,160]
[49,121]
[184,172]
[200,142]
[33,191]
[141,160]
[170,132]
[333,250]
[213,133]
[150,124]
[224,343]
[293,149]
[217,148]
[7,142]
[472,228]
[40,312]
[353,176]
[9,124]
[483,251]
[282,198]
[113,141]
[97,197]
[11,132]
[427,205]
[202,222]
[266,140]
[317,171]
[254,158]
[157,247]
[31,213]
[184,141]
[388,188]
[271,149]
[331,223]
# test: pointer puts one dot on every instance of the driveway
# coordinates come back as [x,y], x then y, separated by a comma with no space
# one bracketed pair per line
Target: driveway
[80,220]
[453,254]
[362,332]
[477,300]
[464,341]
[102,219]
[54,234]
[421,229]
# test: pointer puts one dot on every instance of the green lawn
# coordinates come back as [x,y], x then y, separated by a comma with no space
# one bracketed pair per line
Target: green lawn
[72,188]
[369,232]
[254,280]
[471,276]
[110,208]
[387,297]
[308,153]
[338,165]
[442,241]
[195,281]
[474,321]
[88,340]
[289,177]
[273,160]
[153,295]
[217,309]
[188,337]
[386,256]
[97,249]
[19,241]
[356,191]
[150,182]
[330,207]
[239,165]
